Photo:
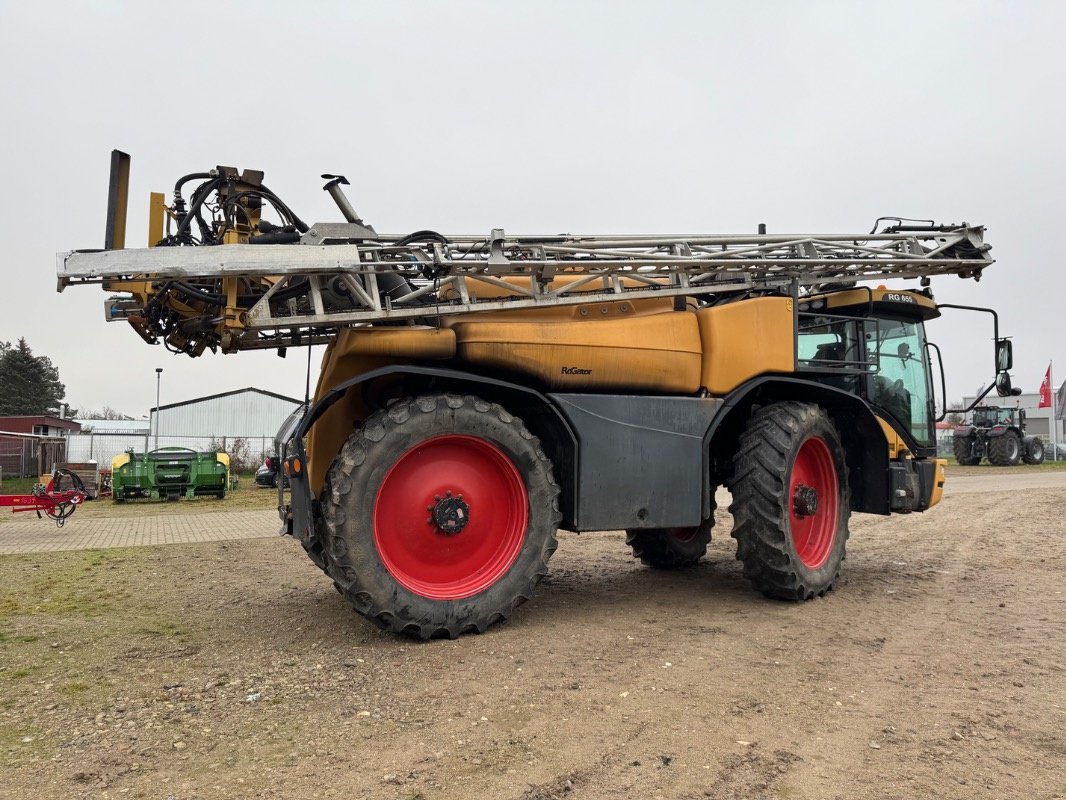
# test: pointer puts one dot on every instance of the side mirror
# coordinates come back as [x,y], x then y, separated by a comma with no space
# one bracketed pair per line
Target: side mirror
[1003,386]
[1004,357]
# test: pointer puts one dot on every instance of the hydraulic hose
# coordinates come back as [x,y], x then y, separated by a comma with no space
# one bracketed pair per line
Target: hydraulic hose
[276,237]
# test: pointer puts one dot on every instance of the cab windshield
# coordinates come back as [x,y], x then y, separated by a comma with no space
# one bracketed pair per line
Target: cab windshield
[901,385]
[990,417]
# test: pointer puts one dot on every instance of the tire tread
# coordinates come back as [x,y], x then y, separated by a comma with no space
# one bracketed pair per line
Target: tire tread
[760,504]
[1000,451]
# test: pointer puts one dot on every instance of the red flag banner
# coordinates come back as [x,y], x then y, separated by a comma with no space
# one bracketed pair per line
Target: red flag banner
[1045,390]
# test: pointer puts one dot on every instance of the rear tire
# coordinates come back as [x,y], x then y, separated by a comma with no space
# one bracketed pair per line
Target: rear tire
[439,516]
[671,548]
[791,501]
[1005,450]
[963,448]
[1034,451]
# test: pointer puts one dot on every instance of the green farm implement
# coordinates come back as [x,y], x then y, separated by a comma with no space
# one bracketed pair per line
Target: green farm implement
[170,473]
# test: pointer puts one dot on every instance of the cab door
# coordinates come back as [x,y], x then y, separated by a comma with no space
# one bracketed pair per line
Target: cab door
[900,383]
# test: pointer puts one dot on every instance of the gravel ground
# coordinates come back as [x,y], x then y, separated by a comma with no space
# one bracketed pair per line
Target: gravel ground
[233,669]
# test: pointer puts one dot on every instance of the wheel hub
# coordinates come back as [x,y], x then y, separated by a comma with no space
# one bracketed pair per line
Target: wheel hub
[450,514]
[805,501]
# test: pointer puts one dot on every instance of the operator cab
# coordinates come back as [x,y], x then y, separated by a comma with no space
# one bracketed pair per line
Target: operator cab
[993,416]
[872,343]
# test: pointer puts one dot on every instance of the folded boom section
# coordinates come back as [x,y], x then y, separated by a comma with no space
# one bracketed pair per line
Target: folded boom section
[245,296]
[221,276]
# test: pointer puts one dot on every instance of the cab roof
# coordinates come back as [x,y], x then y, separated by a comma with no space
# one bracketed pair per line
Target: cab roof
[874,302]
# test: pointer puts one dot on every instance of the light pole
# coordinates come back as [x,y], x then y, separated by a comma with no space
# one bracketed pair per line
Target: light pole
[158,375]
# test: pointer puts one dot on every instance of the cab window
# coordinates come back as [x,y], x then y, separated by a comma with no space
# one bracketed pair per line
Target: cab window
[823,341]
[901,386]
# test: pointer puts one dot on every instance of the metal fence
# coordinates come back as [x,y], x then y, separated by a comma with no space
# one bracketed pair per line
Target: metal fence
[246,452]
[25,455]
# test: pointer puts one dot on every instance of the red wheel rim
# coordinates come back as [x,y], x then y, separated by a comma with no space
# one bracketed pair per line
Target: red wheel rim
[683,535]
[813,534]
[416,551]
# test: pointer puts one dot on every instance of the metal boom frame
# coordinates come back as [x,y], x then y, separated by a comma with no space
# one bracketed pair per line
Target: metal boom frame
[445,274]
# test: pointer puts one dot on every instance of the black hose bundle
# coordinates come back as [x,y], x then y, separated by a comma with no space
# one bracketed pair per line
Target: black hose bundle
[228,209]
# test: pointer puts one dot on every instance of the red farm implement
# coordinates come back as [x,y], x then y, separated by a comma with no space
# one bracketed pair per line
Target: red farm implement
[58,500]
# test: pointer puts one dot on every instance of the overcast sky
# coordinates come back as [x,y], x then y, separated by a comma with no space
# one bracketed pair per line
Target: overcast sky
[536,117]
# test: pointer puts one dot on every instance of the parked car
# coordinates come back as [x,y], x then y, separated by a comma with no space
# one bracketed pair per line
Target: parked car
[268,474]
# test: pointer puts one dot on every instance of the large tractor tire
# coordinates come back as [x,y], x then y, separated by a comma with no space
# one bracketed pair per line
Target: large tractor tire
[1005,450]
[1033,451]
[440,514]
[672,548]
[963,447]
[791,501]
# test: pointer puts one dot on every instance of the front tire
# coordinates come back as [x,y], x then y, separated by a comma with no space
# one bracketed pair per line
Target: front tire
[1034,451]
[1005,450]
[440,514]
[791,501]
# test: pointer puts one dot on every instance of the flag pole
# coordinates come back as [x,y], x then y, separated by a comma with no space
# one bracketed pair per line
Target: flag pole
[1054,414]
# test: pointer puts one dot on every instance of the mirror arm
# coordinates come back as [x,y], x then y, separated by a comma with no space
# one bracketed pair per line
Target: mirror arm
[943,383]
[995,331]
[974,404]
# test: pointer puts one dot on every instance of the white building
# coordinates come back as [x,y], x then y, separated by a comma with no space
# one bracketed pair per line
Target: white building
[1037,420]
[244,421]
[249,413]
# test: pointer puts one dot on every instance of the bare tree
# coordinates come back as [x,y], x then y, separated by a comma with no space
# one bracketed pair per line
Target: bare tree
[240,454]
[955,417]
[106,413]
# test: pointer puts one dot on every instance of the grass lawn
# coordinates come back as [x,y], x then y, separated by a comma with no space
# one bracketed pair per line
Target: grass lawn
[17,485]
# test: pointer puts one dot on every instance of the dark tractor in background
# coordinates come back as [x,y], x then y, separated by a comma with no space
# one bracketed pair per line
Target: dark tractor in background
[997,434]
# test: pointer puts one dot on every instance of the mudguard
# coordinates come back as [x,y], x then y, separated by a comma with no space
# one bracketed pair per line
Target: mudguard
[300,517]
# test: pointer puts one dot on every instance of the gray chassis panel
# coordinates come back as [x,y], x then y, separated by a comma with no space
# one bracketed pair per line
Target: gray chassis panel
[641,461]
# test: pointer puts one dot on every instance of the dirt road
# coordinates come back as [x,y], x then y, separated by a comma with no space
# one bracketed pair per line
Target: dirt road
[233,669]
